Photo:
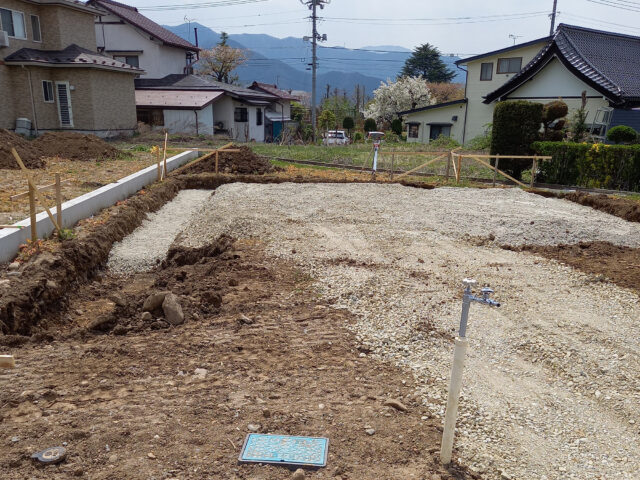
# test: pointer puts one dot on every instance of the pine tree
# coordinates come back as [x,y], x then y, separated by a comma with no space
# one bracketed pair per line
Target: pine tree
[425,62]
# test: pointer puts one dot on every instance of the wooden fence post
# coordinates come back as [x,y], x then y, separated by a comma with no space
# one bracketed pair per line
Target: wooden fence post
[495,169]
[459,168]
[58,200]
[393,161]
[32,214]
[164,155]
[449,160]
[217,161]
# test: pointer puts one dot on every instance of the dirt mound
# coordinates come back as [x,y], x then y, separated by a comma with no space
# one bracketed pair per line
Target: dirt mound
[75,146]
[620,207]
[244,162]
[608,262]
[30,153]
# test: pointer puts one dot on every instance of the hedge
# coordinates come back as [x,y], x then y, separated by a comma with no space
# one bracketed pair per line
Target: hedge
[516,124]
[615,167]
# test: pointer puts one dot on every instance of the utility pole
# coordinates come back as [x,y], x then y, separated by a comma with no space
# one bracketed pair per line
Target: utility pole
[315,37]
[553,17]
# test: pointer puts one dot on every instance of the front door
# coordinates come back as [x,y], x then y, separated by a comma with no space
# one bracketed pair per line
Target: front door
[65,113]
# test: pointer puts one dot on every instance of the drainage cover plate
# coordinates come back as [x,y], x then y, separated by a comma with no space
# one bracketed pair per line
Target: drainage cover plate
[285,450]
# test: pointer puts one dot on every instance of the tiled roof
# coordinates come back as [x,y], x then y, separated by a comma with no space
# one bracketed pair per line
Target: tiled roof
[175,99]
[73,55]
[204,83]
[273,90]
[607,61]
[131,15]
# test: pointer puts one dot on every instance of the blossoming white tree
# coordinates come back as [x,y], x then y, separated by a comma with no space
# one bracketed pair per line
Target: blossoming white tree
[390,98]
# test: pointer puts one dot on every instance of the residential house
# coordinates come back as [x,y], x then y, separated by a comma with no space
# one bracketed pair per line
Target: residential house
[574,60]
[51,75]
[125,34]
[198,104]
[278,114]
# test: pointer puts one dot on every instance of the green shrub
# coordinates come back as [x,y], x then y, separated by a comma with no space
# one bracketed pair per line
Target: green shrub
[348,123]
[444,143]
[622,134]
[358,137]
[516,125]
[370,125]
[590,165]
[396,126]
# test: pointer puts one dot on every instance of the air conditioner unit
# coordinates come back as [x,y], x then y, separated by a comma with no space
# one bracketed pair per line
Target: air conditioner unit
[4,38]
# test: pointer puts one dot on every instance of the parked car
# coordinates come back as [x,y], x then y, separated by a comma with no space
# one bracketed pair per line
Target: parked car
[375,136]
[335,137]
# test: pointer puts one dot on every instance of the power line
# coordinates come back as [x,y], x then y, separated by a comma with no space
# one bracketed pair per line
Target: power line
[621,6]
[439,18]
[190,6]
[460,22]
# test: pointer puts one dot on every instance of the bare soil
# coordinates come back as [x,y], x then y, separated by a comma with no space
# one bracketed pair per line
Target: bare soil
[129,404]
[620,207]
[30,153]
[75,146]
[608,262]
[242,162]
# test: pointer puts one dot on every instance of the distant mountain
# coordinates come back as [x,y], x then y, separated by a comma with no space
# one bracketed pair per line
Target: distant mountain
[284,61]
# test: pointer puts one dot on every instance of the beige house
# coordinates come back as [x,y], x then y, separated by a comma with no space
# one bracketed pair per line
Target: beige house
[574,60]
[51,75]
[465,119]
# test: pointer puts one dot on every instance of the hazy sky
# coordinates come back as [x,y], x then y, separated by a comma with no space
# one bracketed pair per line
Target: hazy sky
[462,27]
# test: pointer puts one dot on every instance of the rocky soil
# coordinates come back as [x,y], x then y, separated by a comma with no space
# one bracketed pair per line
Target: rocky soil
[551,378]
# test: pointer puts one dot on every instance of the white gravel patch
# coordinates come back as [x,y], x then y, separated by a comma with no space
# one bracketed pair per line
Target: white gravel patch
[551,382]
[146,245]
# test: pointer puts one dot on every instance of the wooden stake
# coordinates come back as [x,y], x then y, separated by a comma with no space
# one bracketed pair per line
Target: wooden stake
[51,186]
[459,170]
[449,160]
[7,361]
[495,169]
[58,200]
[217,162]
[32,214]
[33,185]
[534,169]
[19,227]
[164,154]
[393,161]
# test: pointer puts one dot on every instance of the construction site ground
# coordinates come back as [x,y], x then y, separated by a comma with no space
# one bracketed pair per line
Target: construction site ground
[308,307]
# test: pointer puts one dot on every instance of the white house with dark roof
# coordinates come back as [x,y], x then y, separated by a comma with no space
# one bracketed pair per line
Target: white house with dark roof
[198,104]
[605,65]
[123,33]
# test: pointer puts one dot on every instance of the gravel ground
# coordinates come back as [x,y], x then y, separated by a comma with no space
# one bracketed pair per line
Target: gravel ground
[150,242]
[551,382]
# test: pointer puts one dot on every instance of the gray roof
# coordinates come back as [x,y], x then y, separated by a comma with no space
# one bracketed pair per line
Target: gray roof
[609,62]
[204,83]
[72,56]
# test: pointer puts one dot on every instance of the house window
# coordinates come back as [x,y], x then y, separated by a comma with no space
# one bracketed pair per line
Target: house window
[35,28]
[509,65]
[12,22]
[439,130]
[47,91]
[486,71]
[241,115]
[129,60]
[259,116]
[414,128]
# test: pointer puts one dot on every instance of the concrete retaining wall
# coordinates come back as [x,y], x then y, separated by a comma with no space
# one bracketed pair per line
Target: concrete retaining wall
[85,206]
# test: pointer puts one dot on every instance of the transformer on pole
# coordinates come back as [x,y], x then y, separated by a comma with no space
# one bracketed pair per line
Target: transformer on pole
[315,38]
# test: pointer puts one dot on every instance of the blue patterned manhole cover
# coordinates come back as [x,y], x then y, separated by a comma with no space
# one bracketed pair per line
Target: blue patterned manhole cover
[285,450]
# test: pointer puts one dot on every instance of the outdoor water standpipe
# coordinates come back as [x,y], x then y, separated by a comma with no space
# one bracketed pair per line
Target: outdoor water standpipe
[459,354]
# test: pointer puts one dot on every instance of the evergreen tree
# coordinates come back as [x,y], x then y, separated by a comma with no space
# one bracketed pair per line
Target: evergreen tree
[425,62]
